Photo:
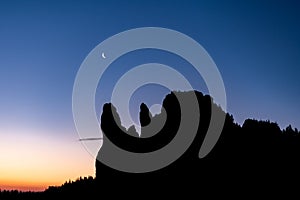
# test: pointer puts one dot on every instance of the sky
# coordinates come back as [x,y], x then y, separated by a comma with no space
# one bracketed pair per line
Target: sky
[255,45]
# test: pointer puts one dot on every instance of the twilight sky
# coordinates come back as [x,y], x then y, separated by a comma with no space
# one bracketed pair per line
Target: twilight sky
[255,44]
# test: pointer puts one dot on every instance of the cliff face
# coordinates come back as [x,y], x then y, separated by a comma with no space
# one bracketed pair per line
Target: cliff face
[255,147]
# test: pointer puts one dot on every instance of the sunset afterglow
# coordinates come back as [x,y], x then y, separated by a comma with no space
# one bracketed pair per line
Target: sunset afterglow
[30,162]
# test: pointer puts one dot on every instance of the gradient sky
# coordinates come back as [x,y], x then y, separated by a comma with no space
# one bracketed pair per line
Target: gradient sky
[255,44]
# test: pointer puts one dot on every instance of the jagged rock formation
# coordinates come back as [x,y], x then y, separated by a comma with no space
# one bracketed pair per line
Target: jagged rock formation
[242,154]
[145,115]
[132,131]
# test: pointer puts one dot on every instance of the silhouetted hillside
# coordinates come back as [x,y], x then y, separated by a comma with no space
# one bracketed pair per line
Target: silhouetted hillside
[247,158]
[256,151]
[84,188]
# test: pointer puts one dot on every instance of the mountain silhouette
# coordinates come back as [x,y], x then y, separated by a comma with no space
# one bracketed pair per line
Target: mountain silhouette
[247,158]
[257,150]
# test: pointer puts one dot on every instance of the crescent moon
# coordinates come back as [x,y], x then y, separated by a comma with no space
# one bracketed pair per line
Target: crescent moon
[103,55]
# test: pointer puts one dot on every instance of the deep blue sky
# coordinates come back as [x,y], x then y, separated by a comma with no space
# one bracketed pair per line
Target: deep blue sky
[255,44]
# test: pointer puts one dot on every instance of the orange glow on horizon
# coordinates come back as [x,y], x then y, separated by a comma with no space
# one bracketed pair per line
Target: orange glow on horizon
[23,186]
[33,162]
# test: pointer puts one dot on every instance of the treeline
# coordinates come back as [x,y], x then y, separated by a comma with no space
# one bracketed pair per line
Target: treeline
[19,195]
[70,189]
